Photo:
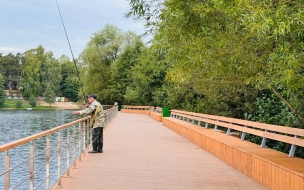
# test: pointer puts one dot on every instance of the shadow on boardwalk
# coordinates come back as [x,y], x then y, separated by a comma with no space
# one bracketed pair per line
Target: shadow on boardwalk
[140,153]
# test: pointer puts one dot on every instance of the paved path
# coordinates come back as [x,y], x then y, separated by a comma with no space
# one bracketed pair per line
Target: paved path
[140,154]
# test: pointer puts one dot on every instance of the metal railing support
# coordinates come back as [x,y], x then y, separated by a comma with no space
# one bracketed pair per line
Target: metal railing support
[7,180]
[32,149]
[74,149]
[292,149]
[263,144]
[47,160]
[68,153]
[59,159]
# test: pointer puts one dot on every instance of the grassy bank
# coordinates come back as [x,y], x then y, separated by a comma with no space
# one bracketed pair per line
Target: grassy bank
[12,104]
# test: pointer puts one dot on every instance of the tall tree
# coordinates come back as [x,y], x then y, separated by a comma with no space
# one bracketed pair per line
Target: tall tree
[50,70]
[49,94]
[30,81]
[103,49]
[230,49]
[148,77]
[2,92]
[70,83]
[10,66]
[122,71]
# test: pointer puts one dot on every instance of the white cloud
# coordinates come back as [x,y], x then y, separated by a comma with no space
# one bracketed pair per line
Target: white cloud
[27,24]
[10,49]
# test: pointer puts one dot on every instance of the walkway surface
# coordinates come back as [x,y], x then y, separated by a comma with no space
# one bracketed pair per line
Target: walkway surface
[141,153]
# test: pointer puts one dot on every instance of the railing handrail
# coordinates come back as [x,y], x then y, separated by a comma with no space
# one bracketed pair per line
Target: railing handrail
[265,126]
[25,140]
[82,139]
[263,130]
[136,107]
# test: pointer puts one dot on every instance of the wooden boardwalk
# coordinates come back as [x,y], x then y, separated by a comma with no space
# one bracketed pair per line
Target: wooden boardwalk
[141,153]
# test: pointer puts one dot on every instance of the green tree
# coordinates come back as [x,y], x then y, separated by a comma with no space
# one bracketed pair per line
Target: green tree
[70,84]
[102,50]
[10,65]
[19,104]
[227,49]
[2,92]
[148,77]
[30,76]
[32,101]
[50,70]
[122,71]
[49,95]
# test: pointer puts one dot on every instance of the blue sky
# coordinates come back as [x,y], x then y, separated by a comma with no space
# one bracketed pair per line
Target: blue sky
[25,24]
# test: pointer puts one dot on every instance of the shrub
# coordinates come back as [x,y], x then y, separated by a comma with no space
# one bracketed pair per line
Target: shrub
[19,104]
[32,101]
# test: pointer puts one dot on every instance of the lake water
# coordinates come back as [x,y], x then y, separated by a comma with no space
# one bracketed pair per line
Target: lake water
[17,124]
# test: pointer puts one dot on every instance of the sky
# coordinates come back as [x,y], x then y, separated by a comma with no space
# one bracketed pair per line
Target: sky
[25,24]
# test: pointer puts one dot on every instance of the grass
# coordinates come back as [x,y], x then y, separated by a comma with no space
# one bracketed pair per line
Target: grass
[12,104]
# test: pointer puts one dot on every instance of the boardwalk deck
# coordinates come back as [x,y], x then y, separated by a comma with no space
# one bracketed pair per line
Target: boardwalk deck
[141,153]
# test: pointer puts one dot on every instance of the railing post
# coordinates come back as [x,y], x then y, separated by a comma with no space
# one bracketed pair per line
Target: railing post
[263,141]
[47,166]
[243,135]
[292,149]
[68,152]
[74,141]
[59,159]
[7,175]
[32,149]
[79,141]
[83,138]
[88,135]
[228,131]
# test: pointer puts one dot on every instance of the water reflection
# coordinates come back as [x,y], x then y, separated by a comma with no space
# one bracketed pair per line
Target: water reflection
[15,125]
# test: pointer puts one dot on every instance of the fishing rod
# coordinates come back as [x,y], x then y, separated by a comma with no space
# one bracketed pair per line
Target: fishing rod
[66,34]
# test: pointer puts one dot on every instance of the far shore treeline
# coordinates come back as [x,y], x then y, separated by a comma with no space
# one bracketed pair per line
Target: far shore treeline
[239,59]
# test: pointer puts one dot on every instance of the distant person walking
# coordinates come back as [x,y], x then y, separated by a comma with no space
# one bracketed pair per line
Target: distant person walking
[97,120]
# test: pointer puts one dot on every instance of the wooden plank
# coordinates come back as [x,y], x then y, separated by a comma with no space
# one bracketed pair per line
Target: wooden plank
[263,165]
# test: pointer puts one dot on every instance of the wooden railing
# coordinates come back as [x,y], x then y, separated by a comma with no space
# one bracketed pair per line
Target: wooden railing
[136,107]
[71,139]
[217,135]
[288,135]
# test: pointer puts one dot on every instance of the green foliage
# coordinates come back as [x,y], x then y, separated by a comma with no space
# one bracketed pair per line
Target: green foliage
[19,104]
[70,84]
[10,65]
[148,78]
[50,71]
[270,109]
[2,92]
[49,95]
[222,53]
[101,52]
[122,71]
[30,83]
[32,101]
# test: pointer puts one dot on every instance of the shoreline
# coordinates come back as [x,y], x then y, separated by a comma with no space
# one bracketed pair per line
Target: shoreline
[54,106]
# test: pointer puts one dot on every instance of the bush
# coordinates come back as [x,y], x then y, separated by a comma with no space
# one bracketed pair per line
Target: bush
[32,101]
[19,104]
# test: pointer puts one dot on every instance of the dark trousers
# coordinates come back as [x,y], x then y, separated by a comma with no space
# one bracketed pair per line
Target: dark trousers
[97,135]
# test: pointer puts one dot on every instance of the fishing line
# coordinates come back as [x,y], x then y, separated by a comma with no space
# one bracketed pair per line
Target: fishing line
[66,34]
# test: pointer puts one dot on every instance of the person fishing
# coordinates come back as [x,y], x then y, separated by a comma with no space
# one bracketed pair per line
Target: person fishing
[97,121]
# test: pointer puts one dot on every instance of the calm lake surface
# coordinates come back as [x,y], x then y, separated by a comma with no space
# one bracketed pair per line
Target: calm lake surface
[17,124]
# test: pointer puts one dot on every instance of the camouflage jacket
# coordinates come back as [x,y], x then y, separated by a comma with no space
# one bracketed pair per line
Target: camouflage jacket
[99,117]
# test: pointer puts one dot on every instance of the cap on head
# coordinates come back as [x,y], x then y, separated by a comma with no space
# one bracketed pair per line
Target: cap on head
[91,96]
